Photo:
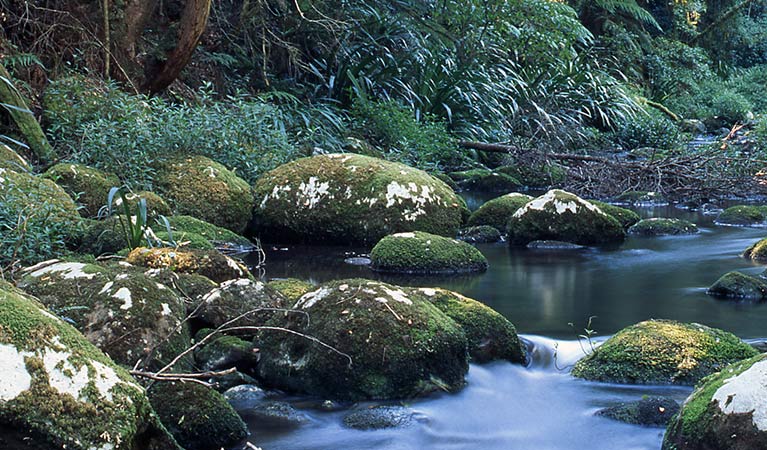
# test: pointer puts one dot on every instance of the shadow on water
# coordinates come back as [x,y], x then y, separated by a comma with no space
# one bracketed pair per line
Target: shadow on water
[542,292]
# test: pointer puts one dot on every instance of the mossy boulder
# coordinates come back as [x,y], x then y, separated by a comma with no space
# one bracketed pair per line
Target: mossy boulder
[739,286]
[127,315]
[88,185]
[223,352]
[485,180]
[648,411]
[189,286]
[659,226]
[757,252]
[198,417]
[641,198]
[742,215]
[562,216]
[384,344]
[219,236]
[662,352]
[497,212]
[208,263]
[490,335]
[726,411]
[291,288]
[59,391]
[103,236]
[155,205]
[352,199]
[482,234]
[184,241]
[254,302]
[443,177]
[10,160]
[626,217]
[202,188]
[423,253]
[536,176]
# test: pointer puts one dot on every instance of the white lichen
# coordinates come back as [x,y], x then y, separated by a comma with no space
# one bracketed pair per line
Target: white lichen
[559,201]
[311,298]
[124,294]
[67,271]
[312,192]
[14,379]
[744,394]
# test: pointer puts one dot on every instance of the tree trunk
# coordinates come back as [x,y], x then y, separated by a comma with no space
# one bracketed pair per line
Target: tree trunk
[24,120]
[193,22]
[729,14]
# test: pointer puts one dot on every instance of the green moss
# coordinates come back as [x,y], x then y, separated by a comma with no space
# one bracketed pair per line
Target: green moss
[208,263]
[291,288]
[498,211]
[199,417]
[542,176]
[202,188]
[626,217]
[224,352]
[11,160]
[562,216]
[253,301]
[659,226]
[352,199]
[393,344]
[155,205]
[189,286]
[58,419]
[424,253]
[757,252]
[742,215]
[445,179]
[88,185]
[480,234]
[490,335]
[485,180]
[103,236]
[213,233]
[662,352]
[22,193]
[736,285]
[185,240]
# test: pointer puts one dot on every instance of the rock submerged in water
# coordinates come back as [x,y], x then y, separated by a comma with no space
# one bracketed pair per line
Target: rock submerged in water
[485,180]
[641,198]
[424,253]
[625,217]
[742,215]
[379,417]
[352,199]
[659,226]
[662,352]
[497,212]
[562,216]
[649,411]
[757,252]
[59,391]
[481,234]
[726,411]
[553,245]
[386,344]
[736,285]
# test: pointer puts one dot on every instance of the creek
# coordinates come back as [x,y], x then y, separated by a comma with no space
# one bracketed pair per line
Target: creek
[549,296]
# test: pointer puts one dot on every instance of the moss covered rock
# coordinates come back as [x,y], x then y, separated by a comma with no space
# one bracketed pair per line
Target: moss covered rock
[291,288]
[481,234]
[742,215]
[735,285]
[662,352]
[641,198]
[127,315]
[423,253]
[491,336]
[88,185]
[659,226]
[497,212]
[11,160]
[562,216]
[221,237]
[485,180]
[202,188]
[103,236]
[386,344]
[757,252]
[537,176]
[184,241]
[253,302]
[189,286]
[155,205]
[208,263]
[198,417]
[59,391]
[626,217]
[223,352]
[649,411]
[351,199]
[726,411]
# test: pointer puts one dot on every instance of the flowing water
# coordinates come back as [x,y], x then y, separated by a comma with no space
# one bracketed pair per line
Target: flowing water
[550,297]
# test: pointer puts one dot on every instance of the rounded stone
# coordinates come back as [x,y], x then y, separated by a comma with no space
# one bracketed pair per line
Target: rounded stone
[482,234]
[648,411]
[485,180]
[497,212]
[88,185]
[423,253]
[625,217]
[659,226]
[736,285]
[379,417]
[742,215]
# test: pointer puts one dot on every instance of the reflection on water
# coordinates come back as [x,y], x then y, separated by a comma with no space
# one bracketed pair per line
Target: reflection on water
[542,407]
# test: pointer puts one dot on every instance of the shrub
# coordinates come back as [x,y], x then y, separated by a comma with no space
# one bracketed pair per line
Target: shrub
[649,130]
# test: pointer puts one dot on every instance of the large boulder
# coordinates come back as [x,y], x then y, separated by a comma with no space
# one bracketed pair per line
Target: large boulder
[88,185]
[423,253]
[757,251]
[208,263]
[739,286]
[662,352]
[626,217]
[726,411]
[660,226]
[742,215]
[11,160]
[648,411]
[497,212]
[128,315]
[490,335]
[251,302]
[481,234]
[202,188]
[198,417]
[291,288]
[59,391]
[362,340]
[350,198]
[562,216]
[485,180]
